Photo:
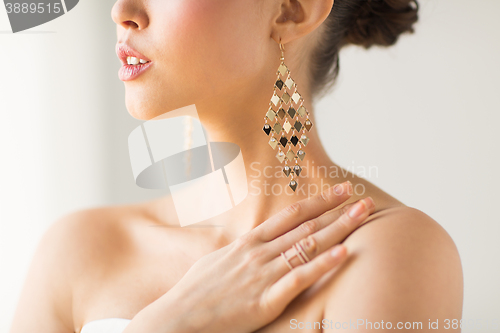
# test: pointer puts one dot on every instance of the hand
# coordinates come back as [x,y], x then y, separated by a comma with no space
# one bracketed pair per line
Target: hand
[247,284]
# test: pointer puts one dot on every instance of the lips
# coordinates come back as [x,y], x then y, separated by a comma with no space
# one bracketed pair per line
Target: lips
[133,62]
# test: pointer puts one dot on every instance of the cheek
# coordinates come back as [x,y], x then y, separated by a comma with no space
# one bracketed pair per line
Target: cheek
[208,46]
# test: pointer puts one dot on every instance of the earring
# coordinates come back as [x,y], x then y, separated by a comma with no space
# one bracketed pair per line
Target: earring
[286,97]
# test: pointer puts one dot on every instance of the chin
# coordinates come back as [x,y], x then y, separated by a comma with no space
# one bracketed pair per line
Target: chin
[139,106]
[146,104]
[140,111]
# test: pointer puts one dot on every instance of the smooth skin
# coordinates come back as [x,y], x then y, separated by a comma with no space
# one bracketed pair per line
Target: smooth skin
[249,279]
[118,261]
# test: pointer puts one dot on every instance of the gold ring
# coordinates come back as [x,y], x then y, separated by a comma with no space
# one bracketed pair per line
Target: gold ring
[299,254]
[302,252]
[286,260]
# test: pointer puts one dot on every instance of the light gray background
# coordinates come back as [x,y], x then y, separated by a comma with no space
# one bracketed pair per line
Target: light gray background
[424,112]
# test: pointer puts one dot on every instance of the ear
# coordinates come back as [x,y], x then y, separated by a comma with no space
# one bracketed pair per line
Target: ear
[298,18]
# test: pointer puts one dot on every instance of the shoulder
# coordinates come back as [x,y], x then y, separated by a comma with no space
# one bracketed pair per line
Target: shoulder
[401,263]
[68,250]
[85,238]
[407,227]
[403,231]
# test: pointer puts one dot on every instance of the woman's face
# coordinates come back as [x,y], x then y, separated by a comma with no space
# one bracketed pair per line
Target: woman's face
[199,49]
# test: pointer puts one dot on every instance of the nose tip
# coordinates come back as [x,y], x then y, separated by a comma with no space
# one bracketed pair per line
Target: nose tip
[129,14]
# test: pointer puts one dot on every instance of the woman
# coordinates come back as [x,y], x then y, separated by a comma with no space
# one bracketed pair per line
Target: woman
[105,269]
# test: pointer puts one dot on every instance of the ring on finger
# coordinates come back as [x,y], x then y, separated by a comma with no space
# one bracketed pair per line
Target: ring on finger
[299,252]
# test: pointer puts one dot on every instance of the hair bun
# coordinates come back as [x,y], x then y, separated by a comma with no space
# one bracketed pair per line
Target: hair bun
[358,22]
[380,22]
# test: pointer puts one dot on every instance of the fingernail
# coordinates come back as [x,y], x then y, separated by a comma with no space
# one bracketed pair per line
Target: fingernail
[337,251]
[369,202]
[357,209]
[342,188]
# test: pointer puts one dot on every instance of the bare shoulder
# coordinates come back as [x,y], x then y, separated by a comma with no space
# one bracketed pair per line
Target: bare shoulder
[85,238]
[69,246]
[402,265]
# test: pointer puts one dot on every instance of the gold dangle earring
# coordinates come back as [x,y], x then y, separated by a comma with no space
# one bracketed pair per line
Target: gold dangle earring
[287,97]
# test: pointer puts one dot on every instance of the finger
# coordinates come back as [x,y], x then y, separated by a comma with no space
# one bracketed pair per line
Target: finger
[336,232]
[303,210]
[316,243]
[305,229]
[283,291]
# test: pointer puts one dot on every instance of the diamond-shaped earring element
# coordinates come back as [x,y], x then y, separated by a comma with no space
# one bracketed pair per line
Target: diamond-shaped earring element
[287,126]
[291,112]
[275,99]
[270,114]
[283,141]
[297,125]
[273,142]
[277,128]
[301,154]
[289,83]
[297,169]
[282,69]
[280,156]
[279,84]
[296,97]
[294,140]
[304,139]
[285,98]
[267,129]
[290,155]
[281,113]
[293,185]
[302,111]
[308,124]
[287,170]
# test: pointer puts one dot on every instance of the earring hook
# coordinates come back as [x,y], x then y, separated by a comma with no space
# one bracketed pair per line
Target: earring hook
[282,48]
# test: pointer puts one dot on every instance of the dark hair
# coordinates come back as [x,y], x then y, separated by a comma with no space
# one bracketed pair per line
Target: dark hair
[358,22]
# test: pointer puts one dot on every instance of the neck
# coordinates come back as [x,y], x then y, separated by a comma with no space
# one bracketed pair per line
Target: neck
[239,119]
